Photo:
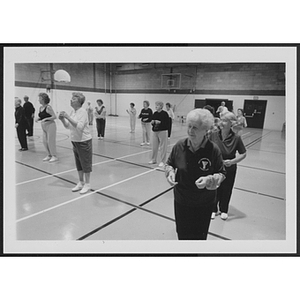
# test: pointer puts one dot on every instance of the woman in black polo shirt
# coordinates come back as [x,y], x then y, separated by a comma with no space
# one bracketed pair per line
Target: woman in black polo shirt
[229,143]
[195,169]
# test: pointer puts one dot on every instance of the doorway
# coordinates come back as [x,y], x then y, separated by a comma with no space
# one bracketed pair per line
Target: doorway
[215,103]
[254,112]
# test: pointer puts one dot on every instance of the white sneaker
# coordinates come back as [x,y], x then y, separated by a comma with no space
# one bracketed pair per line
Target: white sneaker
[224,216]
[78,187]
[213,215]
[48,157]
[85,188]
[151,162]
[161,165]
[53,159]
[142,144]
[148,144]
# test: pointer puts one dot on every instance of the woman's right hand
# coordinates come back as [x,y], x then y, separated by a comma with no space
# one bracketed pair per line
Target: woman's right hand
[202,181]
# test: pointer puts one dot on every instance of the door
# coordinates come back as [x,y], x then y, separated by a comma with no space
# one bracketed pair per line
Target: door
[215,103]
[200,103]
[254,112]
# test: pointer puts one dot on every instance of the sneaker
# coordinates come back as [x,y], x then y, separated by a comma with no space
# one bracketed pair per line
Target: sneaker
[142,144]
[213,215]
[78,187]
[152,162]
[148,144]
[224,216]
[47,158]
[53,159]
[161,165]
[85,189]
[23,149]
[100,138]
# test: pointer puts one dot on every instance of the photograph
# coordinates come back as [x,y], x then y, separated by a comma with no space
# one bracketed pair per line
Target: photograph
[149,149]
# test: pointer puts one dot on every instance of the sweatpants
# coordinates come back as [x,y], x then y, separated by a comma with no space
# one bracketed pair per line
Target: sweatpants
[132,123]
[160,139]
[146,127]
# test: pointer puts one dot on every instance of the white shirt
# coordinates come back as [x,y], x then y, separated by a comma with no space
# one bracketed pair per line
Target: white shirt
[81,132]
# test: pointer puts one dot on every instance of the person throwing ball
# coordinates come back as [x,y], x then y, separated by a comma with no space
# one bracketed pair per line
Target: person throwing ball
[195,169]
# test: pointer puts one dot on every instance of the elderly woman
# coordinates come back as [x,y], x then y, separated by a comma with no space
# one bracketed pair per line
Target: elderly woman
[20,124]
[171,118]
[229,143]
[132,117]
[241,122]
[100,116]
[78,123]
[160,125]
[47,117]
[195,169]
[146,117]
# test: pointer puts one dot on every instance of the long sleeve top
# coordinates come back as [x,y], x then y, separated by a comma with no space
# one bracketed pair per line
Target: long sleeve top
[163,117]
[29,109]
[81,132]
[146,115]
[100,112]
[20,115]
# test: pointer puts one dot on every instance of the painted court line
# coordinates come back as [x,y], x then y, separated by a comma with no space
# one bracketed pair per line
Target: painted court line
[56,174]
[83,196]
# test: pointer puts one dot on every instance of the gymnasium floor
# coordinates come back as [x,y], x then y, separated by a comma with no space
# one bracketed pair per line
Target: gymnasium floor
[131,200]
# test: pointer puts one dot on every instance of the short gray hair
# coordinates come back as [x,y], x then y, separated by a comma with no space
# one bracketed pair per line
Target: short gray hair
[229,116]
[79,96]
[202,116]
[160,103]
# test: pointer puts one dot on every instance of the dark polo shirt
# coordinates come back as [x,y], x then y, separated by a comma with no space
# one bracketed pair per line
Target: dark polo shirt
[190,165]
[230,145]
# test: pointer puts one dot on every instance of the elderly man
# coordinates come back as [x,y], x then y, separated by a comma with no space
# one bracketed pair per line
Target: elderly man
[29,115]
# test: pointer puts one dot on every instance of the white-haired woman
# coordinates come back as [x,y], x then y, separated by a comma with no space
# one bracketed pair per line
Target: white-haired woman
[229,144]
[78,123]
[160,125]
[195,169]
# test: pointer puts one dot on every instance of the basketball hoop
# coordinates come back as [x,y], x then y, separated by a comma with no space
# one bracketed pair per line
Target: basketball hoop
[62,76]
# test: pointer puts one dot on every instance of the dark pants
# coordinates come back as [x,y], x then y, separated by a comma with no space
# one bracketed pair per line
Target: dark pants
[225,190]
[21,132]
[29,126]
[100,127]
[192,223]
[170,127]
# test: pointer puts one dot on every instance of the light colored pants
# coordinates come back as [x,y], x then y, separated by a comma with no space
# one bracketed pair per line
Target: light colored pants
[160,139]
[132,123]
[49,137]
[146,127]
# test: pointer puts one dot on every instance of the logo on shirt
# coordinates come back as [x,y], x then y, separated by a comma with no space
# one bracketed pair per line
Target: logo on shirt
[204,164]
